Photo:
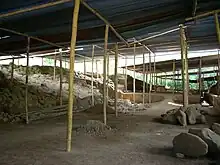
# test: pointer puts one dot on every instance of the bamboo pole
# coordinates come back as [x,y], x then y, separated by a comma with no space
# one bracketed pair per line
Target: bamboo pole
[12,70]
[116,79]
[55,64]
[92,82]
[107,93]
[218,78]
[71,74]
[144,83]
[217,27]
[150,80]
[26,82]
[84,62]
[42,61]
[200,77]
[174,70]
[184,66]
[61,79]
[134,78]
[154,78]
[202,15]
[104,73]
[126,78]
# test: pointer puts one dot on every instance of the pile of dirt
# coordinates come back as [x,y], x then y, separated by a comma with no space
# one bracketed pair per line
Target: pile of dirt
[125,106]
[198,142]
[94,128]
[184,115]
[43,92]
[98,109]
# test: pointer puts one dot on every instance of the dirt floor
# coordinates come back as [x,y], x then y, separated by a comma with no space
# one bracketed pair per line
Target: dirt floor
[138,140]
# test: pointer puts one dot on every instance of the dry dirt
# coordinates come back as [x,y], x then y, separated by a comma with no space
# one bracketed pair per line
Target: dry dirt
[139,140]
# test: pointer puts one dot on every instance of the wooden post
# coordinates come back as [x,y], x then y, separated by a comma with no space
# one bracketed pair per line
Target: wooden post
[84,62]
[42,61]
[104,73]
[184,66]
[144,83]
[134,86]
[217,27]
[150,80]
[116,79]
[12,70]
[154,76]
[55,65]
[71,74]
[200,76]
[218,78]
[92,82]
[107,94]
[174,72]
[26,82]
[61,79]
[126,78]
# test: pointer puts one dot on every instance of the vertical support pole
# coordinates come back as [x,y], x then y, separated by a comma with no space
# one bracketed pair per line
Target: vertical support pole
[154,74]
[71,74]
[116,80]
[184,66]
[84,62]
[126,78]
[55,65]
[61,78]
[26,82]
[96,66]
[217,27]
[150,80]
[12,70]
[92,82]
[144,78]
[134,85]
[65,61]
[18,62]
[218,78]
[42,61]
[104,73]
[107,75]
[200,76]
[174,72]
[218,36]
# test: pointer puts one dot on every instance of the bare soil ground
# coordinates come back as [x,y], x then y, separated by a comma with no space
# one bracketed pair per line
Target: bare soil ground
[139,140]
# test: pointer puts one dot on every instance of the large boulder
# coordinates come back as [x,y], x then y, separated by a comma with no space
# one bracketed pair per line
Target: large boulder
[210,137]
[216,128]
[189,145]
[194,116]
[181,117]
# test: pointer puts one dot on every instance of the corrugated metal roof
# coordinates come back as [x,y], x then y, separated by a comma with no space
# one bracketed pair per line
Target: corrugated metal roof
[131,18]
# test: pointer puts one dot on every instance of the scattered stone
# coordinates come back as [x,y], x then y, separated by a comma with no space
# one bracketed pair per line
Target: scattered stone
[94,128]
[192,114]
[201,119]
[169,117]
[216,128]
[189,145]
[210,137]
[181,117]
[179,155]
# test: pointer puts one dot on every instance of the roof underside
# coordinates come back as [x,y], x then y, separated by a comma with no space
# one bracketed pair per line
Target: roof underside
[167,66]
[131,18]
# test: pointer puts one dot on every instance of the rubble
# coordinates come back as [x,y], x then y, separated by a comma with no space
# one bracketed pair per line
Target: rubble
[94,128]
[125,106]
[190,115]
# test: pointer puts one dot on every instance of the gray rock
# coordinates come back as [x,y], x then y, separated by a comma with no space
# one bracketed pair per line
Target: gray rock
[216,128]
[189,145]
[201,119]
[192,114]
[210,137]
[179,155]
[181,117]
